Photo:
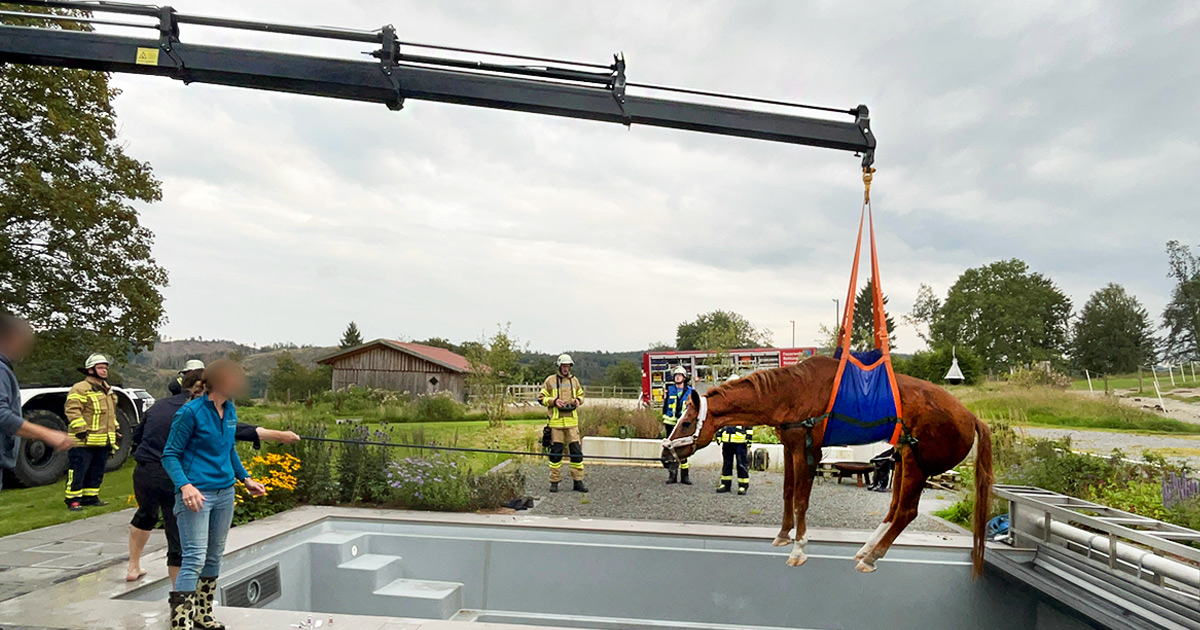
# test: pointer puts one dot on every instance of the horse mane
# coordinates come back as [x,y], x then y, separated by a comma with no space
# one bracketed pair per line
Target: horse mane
[765,382]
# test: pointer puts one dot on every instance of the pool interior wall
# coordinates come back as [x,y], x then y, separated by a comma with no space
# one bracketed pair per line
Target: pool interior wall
[616,579]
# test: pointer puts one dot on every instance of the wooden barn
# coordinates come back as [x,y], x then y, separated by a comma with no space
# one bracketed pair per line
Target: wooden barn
[400,366]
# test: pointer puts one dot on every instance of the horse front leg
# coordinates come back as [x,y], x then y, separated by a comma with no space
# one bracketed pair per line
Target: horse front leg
[907,497]
[789,518]
[803,490]
[873,540]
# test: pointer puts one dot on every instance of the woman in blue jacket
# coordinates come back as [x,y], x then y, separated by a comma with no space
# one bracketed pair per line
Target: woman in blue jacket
[204,465]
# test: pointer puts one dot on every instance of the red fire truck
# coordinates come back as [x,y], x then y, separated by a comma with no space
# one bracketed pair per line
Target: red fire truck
[708,367]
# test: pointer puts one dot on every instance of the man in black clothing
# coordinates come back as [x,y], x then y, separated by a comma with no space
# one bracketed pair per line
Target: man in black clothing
[884,463]
[153,487]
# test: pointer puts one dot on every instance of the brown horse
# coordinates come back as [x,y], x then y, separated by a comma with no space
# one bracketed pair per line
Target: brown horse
[943,428]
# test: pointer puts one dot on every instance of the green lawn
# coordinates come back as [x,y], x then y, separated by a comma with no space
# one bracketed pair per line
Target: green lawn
[1130,381]
[23,509]
[1041,406]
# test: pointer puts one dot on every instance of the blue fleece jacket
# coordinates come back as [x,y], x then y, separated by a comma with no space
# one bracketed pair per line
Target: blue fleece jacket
[200,448]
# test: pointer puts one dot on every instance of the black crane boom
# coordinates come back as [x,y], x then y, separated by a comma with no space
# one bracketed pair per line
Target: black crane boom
[574,90]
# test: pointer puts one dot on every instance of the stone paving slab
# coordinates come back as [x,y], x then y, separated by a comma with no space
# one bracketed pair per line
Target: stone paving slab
[42,557]
[67,546]
[15,559]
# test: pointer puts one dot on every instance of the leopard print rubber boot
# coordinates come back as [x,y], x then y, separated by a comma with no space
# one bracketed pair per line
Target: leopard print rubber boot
[202,613]
[182,605]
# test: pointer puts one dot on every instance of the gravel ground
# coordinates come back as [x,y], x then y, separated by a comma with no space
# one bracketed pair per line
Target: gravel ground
[1132,444]
[638,493]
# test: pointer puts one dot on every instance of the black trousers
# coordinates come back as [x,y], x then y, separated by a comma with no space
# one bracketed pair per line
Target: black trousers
[85,473]
[740,453]
[155,493]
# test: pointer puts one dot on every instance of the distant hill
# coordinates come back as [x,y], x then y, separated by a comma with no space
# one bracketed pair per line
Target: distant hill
[589,364]
[154,369]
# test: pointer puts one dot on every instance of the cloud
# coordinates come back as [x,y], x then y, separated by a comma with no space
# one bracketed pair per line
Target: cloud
[1055,133]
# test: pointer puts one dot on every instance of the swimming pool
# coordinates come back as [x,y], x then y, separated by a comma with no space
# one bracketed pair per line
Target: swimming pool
[531,571]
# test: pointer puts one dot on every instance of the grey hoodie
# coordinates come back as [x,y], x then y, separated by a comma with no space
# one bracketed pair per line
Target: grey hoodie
[10,414]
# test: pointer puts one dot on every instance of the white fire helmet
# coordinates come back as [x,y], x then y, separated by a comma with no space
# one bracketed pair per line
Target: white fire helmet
[193,364]
[564,359]
[94,360]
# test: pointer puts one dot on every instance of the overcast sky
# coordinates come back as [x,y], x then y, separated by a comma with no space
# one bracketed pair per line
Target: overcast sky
[1060,133]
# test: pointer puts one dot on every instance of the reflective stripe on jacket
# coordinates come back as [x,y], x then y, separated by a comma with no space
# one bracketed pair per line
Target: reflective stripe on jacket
[566,388]
[735,435]
[91,409]
[675,400]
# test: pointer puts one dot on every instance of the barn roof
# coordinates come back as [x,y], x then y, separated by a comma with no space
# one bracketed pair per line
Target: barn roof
[450,360]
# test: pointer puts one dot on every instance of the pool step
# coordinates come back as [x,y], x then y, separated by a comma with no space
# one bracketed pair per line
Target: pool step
[429,599]
[371,571]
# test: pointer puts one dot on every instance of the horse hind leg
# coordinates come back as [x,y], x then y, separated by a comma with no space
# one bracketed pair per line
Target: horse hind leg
[909,496]
[789,492]
[898,475]
[804,482]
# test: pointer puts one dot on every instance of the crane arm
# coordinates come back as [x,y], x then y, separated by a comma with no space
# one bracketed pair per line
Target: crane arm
[569,89]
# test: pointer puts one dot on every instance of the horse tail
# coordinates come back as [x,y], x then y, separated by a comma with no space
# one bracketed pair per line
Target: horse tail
[983,493]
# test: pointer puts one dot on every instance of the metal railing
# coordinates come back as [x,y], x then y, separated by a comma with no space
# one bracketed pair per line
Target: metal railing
[1126,543]
[519,394]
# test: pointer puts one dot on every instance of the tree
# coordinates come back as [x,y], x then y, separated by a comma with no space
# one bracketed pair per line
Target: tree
[440,342]
[292,381]
[720,330]
[659,346]
[1005,313]
[351,337]
[74,259]
[623,374]
[1113,334]
[495,364]
[924,312]
[932,365]
[863,335]
[1181,318]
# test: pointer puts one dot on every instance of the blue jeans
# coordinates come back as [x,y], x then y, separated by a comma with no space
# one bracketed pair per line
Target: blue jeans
[202,535]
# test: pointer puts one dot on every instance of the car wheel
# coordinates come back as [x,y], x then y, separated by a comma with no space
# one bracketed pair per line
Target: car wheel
[37,463]
[117,458]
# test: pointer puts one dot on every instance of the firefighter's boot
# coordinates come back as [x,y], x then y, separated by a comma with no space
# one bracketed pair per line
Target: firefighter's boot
[553,486]
[726,486]
[578,486]
[683,477]
[182,605]
[672,475]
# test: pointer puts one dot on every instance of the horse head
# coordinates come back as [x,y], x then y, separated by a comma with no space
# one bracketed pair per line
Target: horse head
[693,431]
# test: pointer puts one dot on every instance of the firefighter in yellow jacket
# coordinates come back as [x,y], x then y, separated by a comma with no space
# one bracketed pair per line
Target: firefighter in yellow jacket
[563,394]
[735,446]
[91,412]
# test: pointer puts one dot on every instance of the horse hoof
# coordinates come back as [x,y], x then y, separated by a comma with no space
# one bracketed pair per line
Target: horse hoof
[863,567]
[780,541]
[795,561]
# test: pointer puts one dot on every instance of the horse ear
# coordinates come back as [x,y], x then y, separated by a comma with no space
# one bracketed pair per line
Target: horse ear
[695,398]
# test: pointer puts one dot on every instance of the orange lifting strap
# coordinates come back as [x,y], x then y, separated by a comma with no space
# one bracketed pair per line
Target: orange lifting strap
[880,324]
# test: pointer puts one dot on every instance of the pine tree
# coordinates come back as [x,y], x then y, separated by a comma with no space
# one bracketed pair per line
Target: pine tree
[863,337]
[351,337]
[1114,334]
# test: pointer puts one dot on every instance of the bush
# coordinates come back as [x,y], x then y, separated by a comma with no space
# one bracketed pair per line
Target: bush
[430,483]
[277,473]
[495,489]
[606,421]
[1037,377]
[315,483]
[932,365]
[438,407]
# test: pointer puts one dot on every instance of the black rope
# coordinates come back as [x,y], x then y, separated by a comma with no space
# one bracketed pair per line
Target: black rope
[464,449]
